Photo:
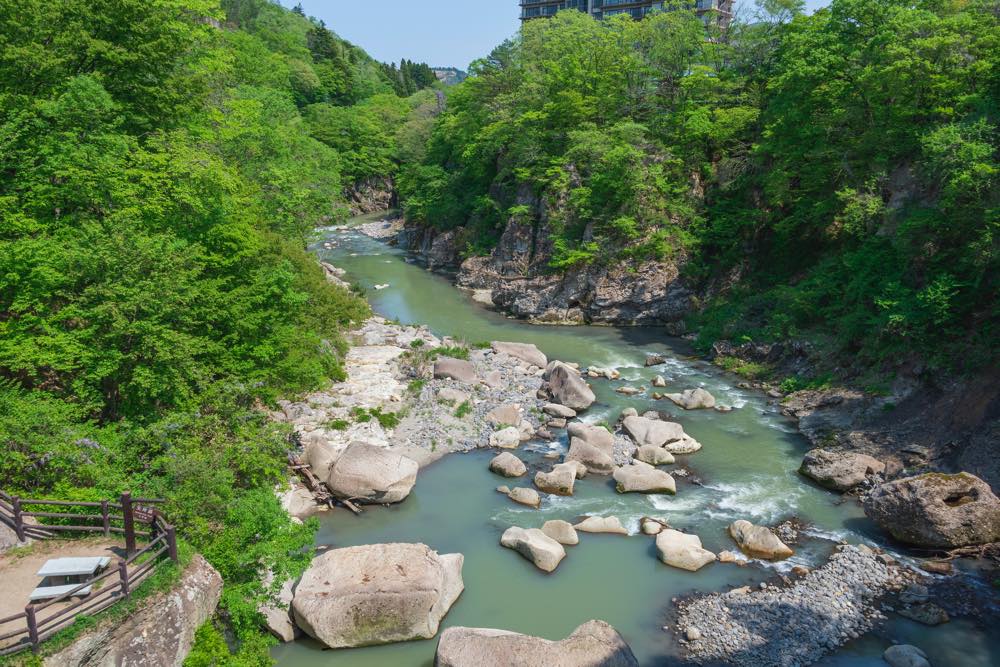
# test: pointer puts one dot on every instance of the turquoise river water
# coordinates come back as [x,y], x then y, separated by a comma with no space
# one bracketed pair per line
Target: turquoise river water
[747,468]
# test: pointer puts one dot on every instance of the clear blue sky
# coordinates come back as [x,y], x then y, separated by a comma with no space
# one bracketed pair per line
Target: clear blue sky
[439,32]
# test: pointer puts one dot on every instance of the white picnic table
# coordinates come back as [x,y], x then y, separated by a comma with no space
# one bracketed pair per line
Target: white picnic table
[73,567]
[67,568]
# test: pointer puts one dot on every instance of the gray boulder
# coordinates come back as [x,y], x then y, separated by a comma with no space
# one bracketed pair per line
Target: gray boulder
[559,480]
[508,465]
[455,369]
[593,644]
[682,550]
[937,510]
[641,477]
[372,474]
[568,388]
[839,471]
[534,545]
[758,541]
[692,399]
[526,352]
[377,594]
[905,655]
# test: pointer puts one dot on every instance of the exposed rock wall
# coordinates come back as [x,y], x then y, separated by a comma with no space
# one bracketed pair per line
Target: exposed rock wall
[160,634]
[518,280]
[371,195]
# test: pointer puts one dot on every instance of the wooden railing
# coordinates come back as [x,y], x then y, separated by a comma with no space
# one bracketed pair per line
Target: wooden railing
[33,625]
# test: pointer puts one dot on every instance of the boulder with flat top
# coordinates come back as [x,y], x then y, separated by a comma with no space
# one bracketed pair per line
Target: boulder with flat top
[377,594]
[372,474]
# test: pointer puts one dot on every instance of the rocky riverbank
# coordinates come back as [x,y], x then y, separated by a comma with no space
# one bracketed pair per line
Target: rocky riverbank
[789,626]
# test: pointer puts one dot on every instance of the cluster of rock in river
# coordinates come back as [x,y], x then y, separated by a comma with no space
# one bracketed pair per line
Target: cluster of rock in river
[510,393]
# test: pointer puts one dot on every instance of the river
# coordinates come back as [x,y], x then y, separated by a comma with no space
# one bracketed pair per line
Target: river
[747,468]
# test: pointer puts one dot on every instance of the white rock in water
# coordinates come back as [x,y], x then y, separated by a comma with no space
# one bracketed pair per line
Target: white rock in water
[534,545]
[601,524]
[508,465]
[682,550]
[758,541]
[693,399]
[561,531]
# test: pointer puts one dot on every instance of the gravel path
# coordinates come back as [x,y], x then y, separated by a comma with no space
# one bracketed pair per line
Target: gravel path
[794,626]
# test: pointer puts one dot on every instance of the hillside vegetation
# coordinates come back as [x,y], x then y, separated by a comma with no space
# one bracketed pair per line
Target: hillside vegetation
[832,177]
[163,163]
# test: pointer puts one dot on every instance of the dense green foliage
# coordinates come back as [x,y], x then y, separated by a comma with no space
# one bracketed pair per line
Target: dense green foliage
[409,77]
[837,172]
[158,182]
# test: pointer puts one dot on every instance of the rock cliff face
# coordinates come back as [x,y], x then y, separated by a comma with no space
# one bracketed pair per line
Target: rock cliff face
[161,633]
[515,277]
[371,195]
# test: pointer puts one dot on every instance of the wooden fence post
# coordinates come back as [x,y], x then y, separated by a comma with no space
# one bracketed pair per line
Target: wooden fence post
[105,518]
[18,519]
[129,523]
[123,576]
[29,611]
[171,543]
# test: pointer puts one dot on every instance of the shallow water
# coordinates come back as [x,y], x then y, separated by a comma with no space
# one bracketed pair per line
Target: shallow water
[747,468]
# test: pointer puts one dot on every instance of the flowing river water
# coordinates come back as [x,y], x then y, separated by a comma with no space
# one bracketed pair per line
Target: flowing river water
[747,467]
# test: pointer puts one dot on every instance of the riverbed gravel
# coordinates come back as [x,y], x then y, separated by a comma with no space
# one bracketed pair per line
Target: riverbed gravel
[790,626]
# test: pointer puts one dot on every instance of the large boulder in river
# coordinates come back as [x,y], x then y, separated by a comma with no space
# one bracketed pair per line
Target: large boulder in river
[601,524]
[377,594]
[596,460]
[561,531]
[693,399]
[559,480]
[840,471]
[525,496]
[641,477]
[758,541]
[659,433]
[526,352]
[654,456]
[508,465]
[593,644]
[455,369]
[568,388]
[372,474]
[937,510]
[534,545]
[682,550]
[905,655]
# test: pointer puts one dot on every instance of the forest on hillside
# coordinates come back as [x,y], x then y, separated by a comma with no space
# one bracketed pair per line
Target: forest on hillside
[833,177]
[163,164]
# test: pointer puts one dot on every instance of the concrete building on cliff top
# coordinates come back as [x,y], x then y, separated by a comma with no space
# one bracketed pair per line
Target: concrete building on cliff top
[708,10]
